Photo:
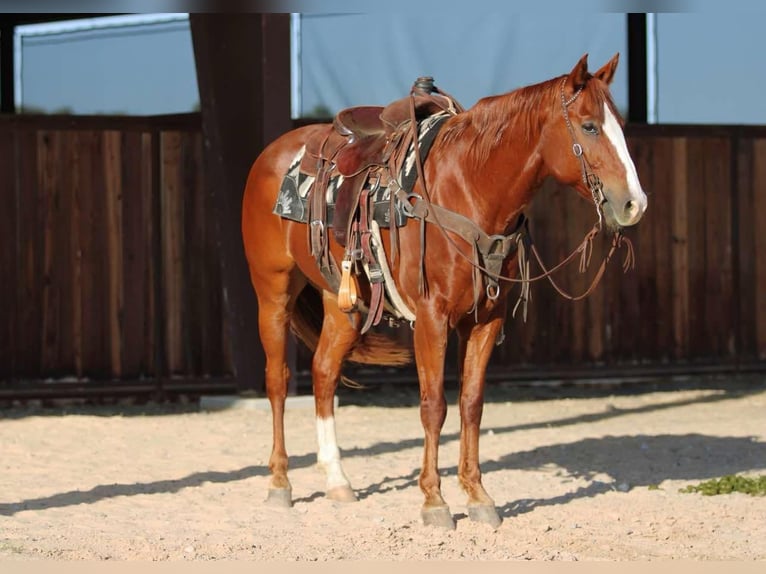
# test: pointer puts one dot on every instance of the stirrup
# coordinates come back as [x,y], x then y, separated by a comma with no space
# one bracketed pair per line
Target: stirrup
[347,292]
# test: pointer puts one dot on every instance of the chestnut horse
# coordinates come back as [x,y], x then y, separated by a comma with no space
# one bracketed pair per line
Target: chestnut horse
[486,164]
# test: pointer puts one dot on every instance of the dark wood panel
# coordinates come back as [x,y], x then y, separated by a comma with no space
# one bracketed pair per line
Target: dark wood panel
[717,291]
[656,164]
[203,305]
[8,254]
[173,209]
[697,247]
[112,143]
[758,309]
[679,191]
[59,255]
[744,229]
[136,255]
[94,249]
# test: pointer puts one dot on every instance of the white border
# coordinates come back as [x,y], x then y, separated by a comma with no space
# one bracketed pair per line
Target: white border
[651,69]
[296,71]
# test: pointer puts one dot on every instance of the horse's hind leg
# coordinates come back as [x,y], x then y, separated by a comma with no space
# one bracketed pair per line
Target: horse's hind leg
[337,339]
[275,299]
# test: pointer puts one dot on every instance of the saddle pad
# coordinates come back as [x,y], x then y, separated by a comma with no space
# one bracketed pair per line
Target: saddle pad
[293,193]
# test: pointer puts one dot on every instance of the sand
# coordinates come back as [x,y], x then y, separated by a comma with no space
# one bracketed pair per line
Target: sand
[585,473]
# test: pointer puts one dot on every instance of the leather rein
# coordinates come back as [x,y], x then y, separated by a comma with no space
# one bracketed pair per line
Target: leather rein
[494,249]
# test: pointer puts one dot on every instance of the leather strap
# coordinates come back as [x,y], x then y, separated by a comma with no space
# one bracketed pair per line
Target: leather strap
[318,240]
[375,308]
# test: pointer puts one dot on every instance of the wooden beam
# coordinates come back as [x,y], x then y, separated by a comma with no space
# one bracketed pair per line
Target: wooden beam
[7,103]
[637,82]
[243,74]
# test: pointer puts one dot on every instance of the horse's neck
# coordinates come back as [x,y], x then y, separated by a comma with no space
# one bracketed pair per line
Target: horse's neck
[495,149]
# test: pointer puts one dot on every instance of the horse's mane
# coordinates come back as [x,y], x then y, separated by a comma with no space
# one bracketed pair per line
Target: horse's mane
[523,111]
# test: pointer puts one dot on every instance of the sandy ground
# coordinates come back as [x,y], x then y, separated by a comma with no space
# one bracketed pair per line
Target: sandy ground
[578,473]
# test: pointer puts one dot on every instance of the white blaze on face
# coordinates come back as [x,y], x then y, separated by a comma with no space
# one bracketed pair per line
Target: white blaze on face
[613,131]
[328,454]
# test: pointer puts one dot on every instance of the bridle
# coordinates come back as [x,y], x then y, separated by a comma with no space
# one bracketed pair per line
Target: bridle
[589,178]
[424,210]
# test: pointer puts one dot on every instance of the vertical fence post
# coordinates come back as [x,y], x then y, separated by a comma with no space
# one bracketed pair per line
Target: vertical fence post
[243,74]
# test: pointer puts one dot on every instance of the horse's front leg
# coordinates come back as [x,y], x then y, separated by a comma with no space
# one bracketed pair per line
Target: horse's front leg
[430,341]
[476,344]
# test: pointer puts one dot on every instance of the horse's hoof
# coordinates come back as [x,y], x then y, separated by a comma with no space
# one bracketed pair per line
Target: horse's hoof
[281,497]
[341,494]
[438,516]
[486,514]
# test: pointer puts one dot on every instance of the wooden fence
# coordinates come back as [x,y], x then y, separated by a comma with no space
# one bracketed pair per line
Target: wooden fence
[110,268]
[697,296]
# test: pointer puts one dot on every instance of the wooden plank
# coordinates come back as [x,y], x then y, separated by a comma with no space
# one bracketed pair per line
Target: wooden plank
[8,253]
[29,252]
[52,214]
[112,142]
[209,302]
[173,249]
[135,257]
[636,288]
[94,244]
[151,183]
[61,240]
[745,227]
[719,270]
[655,267]
[699,346]
[680,250]
[195,269]
[710,248]
[759,244]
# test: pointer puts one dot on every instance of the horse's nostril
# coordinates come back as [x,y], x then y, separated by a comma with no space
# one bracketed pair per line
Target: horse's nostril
[630,207]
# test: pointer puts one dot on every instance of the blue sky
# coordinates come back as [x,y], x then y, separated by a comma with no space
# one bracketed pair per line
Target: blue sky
[139,64]
[708,67]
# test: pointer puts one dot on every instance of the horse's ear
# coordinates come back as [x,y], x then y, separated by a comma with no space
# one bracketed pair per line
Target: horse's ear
[579,74]
[606,72]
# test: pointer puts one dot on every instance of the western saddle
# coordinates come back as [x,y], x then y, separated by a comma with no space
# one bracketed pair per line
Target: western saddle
[367,147]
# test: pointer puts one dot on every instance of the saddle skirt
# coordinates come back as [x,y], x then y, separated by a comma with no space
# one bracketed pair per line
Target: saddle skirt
[297,184]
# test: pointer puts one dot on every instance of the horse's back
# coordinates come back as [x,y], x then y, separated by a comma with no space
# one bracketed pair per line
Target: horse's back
[270,166]
[264,233]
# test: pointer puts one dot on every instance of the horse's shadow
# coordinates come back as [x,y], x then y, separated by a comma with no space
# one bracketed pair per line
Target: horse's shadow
[635,461]
[638,460]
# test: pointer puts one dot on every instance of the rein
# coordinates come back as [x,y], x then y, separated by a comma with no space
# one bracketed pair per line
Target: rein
[483,243]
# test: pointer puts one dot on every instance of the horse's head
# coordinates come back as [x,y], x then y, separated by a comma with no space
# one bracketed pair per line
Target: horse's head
[584,146]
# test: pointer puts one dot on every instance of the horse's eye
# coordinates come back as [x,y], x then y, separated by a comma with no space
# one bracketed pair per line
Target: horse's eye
[590,128]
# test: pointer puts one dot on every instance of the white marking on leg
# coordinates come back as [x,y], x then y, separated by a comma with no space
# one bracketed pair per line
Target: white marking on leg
[328,454]
[614,133]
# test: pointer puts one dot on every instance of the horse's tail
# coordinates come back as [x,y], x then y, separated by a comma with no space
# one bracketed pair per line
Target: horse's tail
[372,349]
